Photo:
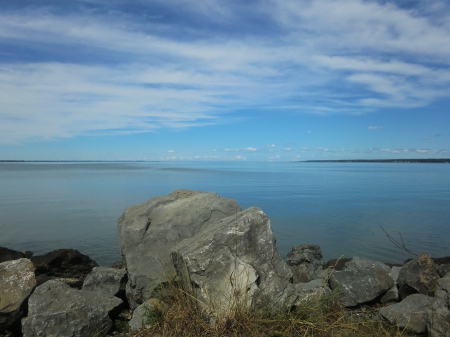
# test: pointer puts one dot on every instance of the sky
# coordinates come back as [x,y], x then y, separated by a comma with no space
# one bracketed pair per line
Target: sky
[223,80]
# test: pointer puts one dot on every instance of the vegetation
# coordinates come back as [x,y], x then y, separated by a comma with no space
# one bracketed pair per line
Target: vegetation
[180,316]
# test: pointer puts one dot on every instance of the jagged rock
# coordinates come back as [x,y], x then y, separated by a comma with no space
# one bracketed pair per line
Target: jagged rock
[395,271]
[109,280]
[361,281]
[234,262]
[411,313]
[7,254]
[418,276]
[55,309]
[63,263]
[311,291]
[149,231]
[17,281]
[439,315]
[305,260]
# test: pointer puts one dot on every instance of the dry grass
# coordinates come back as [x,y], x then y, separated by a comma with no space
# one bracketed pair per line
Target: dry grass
[322,317]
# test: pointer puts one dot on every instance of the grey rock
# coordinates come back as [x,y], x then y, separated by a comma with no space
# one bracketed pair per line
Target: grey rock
[361,281]
[418,276]
[305,260]
[149,231]
[311,291]
[391,295]
[443,269]
[410,314]
[109,280]
[395,271]
[17,281]
[439,315]
[7,254]
[142,318]
[234,262]
[55,309]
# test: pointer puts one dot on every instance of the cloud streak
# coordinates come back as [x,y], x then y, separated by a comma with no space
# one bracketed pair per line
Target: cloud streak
[110,70]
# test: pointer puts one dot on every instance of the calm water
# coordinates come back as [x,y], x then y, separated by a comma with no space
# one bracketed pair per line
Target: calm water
[46,206]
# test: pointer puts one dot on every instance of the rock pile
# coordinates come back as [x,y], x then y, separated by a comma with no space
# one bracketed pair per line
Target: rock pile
[221,254]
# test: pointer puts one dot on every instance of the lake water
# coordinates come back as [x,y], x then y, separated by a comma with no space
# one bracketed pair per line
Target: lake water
[339,206]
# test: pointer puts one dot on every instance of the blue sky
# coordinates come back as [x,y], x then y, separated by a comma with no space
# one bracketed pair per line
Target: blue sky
[272,80]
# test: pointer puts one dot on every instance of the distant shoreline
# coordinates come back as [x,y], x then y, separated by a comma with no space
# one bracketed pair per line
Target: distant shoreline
[429,160]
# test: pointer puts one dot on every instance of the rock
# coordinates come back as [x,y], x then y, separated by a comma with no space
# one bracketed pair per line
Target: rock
[337,264]
[410,314]
[395,271]
[311,291]
[439,315]
[443,269]
[418,276]
[149,231]
[361,281]
[145,315]
[119,265]
[62,263]
[55,309]
[234,263]
[7,254]
[109,280]
[392,294]
[17,281]
[304,261]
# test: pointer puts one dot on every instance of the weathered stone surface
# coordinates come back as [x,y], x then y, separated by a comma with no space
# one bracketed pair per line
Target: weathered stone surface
[304,261]
[234,262]
[109,280]
[55,309]
[7,254]
[418,276]
[311,291]
[17,281]
[149,231]
[392,294]
[361,281]
[439,315]
[62,263]
[411,313]
[395,271]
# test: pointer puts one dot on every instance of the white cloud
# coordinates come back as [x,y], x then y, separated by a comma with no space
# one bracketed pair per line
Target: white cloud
[375,127]
[288,149]
[140,76]
[251,149]
[272,146]
[231,150]
[171,151]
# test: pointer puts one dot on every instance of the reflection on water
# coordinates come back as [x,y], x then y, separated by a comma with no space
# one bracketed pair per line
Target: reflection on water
[45,206]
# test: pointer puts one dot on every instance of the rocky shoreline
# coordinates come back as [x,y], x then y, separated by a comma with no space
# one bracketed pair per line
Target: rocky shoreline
[217,250]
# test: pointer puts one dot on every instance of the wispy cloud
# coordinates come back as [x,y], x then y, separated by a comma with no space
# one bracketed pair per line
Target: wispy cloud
[375,127]
[111,68]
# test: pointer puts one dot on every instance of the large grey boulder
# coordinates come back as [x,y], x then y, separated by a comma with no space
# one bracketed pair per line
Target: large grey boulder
[361,281]
[439,315]
[55,309]
[17,281]
[109,280]
[234,263]
[305,260]
[149,231]
[418,276]
[410,314]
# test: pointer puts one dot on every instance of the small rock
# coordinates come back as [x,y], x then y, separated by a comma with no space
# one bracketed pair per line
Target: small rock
[109,280]
[7,254]
[304,261]
[439,315]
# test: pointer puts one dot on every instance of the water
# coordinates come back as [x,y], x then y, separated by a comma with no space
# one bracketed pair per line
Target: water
[339,206]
